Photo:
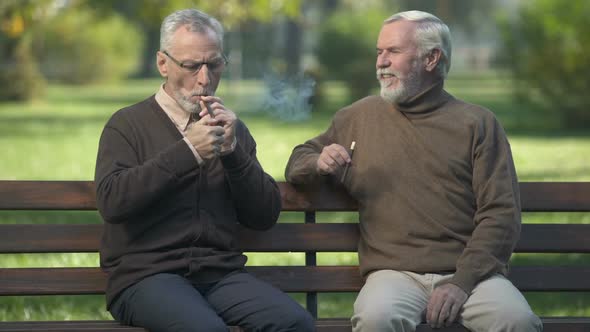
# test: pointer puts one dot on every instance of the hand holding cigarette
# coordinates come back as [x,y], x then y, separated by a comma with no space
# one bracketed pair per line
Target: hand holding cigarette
[209,110]
[348,164]
[206,107]
[220,116]
[332,159]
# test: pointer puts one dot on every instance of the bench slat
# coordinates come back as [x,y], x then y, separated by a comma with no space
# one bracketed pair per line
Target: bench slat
[555,196]
[44,238]
[554,238]
[80,195]
[71,281]
[550,324]
[47,195]
[60,326]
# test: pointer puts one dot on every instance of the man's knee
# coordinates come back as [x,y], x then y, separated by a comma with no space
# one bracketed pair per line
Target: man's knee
[212,325]
[294,320]
[183,324]
[507,319]
[519,320]
[378,319]
[302,321]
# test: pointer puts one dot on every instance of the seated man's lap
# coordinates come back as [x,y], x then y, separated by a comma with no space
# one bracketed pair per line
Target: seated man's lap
[396,300]
[496,305]
[165,302]
[389,300]
[169,302]
[242,299]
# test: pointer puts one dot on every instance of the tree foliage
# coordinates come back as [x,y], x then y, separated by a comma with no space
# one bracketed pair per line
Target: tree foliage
[77,47]
[20,78]
[19,18]
[346,49]
[546,46]
[229,12]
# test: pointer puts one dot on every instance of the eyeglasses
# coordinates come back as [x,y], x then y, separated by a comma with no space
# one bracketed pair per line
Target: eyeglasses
[215,65]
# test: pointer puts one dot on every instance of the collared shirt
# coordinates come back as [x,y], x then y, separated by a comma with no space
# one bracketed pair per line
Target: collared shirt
[181,118]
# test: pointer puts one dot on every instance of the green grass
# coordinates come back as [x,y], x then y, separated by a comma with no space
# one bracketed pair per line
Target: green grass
[57,139]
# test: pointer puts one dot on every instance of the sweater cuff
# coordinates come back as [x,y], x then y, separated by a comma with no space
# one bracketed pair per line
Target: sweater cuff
[234,160]
[465,280]
[305,171]
[179,159]
[312,168]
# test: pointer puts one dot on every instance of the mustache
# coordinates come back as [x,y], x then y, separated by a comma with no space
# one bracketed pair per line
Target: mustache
[386,72]
[200,93]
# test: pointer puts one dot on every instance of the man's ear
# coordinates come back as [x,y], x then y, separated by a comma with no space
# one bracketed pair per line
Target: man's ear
[161,64]
[433,58]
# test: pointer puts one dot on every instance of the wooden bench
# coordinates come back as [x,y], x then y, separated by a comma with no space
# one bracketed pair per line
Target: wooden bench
[307,236]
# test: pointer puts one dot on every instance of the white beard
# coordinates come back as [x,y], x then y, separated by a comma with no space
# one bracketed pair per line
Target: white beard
[408,86]
[186,104]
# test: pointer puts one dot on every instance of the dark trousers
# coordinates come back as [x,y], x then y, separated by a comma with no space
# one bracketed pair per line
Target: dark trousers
[169,302]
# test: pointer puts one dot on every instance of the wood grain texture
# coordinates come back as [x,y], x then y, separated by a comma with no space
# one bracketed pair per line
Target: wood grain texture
[80,195]
[91,280]
[333,237]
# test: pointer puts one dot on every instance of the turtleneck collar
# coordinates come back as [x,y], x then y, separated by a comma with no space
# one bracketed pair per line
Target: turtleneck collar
[429,99]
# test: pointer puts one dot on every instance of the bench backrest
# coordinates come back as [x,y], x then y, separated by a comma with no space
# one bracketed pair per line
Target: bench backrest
[309,236]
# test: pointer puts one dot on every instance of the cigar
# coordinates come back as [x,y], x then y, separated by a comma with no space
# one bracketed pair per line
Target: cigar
[348,164]
[209,110]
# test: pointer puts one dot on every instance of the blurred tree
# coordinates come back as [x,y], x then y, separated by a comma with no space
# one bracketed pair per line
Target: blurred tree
[148,15]
[465,15]
[546,46]
[20,16]
[20,78]
[346,49]
[77,47]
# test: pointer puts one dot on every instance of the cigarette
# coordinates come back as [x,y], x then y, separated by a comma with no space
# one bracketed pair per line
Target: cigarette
[209,110]
[352,145]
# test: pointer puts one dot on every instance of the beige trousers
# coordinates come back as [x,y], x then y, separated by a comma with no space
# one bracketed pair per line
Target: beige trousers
[396,301]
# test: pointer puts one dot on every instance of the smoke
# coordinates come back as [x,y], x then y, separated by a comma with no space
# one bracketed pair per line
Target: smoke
[288,98]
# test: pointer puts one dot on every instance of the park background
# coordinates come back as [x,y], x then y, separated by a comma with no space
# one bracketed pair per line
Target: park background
[67,65]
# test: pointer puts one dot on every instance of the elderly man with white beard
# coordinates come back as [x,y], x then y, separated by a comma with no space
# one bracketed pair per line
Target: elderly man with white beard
[437,189]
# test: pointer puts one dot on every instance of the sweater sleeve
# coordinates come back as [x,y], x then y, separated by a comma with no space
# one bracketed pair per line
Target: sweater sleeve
[254,192]
[125,186]
[497,218]
[302,165]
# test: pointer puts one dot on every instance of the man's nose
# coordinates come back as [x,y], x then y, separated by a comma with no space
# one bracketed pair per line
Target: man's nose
[382,61]
[203,78]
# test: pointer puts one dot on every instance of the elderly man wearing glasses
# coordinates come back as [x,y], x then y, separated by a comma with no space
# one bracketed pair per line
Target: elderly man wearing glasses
[175,175]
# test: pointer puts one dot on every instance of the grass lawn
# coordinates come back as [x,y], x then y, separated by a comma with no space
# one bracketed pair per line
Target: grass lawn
[57,139]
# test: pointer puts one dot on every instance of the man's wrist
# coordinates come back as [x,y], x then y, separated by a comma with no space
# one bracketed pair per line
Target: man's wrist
[230,149]
[200,160]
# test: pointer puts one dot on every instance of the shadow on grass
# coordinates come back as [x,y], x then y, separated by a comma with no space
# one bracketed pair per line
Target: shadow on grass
[528,119]
[102,99]
[566,173]
[56,125]
[39,308]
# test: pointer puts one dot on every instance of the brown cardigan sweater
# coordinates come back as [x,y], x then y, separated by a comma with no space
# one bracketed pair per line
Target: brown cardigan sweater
[164,213]
[435,182]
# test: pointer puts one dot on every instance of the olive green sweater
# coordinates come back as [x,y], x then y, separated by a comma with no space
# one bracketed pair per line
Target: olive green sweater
[435,182]
[163,212]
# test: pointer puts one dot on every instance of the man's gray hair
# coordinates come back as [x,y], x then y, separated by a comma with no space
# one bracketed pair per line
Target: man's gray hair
[195,19]
[431,33]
